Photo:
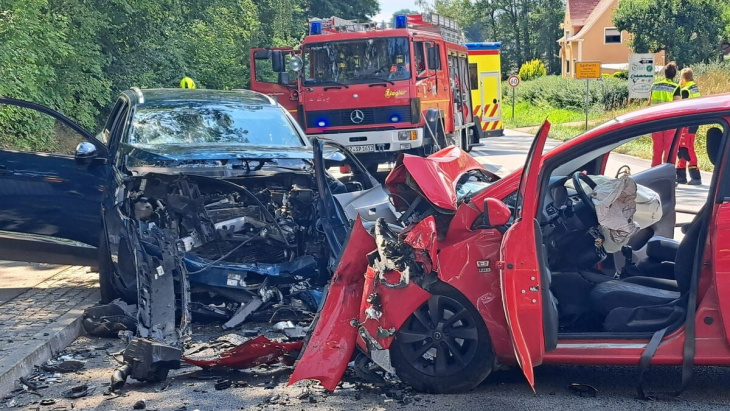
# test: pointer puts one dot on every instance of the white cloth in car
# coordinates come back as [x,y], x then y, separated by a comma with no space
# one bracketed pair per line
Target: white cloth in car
[623,208]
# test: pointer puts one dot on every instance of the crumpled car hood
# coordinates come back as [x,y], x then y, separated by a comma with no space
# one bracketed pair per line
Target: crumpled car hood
[434,176]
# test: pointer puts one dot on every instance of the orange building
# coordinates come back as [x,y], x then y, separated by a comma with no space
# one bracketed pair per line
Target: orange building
[589,35]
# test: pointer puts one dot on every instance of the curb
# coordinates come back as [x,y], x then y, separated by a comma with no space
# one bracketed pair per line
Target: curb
[61,333]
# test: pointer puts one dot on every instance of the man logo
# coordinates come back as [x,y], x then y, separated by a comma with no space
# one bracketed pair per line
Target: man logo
[357,116]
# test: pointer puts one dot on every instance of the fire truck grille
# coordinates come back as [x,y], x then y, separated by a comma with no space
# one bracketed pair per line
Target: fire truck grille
[358,116]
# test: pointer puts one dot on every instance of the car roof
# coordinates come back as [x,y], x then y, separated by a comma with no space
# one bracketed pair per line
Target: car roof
[160,96]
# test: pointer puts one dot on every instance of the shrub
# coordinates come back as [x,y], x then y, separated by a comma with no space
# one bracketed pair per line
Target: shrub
[566,93]
[532,69]
[623,75]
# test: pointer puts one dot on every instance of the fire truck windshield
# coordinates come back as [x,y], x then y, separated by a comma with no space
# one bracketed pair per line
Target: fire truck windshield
[375,60]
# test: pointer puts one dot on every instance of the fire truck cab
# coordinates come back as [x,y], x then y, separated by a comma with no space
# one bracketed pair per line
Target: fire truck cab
[380,92]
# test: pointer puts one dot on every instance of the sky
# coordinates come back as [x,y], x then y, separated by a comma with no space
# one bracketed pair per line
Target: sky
[388,7]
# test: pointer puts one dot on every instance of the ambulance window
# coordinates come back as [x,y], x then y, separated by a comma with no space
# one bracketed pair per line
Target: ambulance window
[473,76]
[418,56]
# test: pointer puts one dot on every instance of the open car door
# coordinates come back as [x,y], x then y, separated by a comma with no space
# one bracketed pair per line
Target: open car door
[520,268]
[50,201]
[272,75]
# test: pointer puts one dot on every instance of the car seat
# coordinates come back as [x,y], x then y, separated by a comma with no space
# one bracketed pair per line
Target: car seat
[657,268]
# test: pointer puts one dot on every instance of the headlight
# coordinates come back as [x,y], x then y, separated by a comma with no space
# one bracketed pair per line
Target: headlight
[407,135]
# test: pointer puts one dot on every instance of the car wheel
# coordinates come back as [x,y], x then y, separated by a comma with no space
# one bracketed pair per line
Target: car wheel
[444,346]
[465,143]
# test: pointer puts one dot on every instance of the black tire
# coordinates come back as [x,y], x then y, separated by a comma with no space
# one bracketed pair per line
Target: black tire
[469,360]
[465,143]
[441,137]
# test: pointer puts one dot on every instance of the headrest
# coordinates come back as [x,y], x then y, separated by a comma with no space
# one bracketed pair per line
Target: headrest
[714,139]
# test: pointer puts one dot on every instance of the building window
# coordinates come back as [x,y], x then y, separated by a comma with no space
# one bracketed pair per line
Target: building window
[612,36]
[567,66]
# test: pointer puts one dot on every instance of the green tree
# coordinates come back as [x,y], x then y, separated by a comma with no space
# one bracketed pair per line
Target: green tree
[361,10]
[689,31]
[527,29]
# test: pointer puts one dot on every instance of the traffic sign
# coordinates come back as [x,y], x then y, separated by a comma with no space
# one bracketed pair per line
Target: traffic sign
[513,81]
[588,70]
[641,75]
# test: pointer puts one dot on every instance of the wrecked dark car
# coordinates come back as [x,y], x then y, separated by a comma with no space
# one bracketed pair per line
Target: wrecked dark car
[190,202]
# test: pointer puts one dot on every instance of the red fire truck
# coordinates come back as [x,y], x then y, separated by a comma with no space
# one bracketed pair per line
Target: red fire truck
[380,92]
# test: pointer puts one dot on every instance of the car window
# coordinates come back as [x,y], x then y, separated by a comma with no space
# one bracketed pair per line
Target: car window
[105,134]
[205,123]
[32,131]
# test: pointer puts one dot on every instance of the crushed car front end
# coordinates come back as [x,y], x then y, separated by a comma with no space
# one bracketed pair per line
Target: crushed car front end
[240,228]
[430,305]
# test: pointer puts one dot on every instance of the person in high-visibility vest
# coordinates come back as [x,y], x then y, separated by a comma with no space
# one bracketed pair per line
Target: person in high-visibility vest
[664,91]
[688,89]
[187,82]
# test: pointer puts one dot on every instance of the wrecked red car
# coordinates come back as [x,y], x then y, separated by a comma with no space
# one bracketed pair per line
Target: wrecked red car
[530,269]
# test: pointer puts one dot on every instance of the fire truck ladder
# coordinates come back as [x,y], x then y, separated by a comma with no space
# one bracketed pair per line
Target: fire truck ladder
[447,27]
[338,24]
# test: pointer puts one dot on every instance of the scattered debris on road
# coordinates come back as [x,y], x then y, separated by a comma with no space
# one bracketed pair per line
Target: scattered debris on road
[236,352]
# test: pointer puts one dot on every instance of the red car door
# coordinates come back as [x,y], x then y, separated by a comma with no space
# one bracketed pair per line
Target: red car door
[520,271]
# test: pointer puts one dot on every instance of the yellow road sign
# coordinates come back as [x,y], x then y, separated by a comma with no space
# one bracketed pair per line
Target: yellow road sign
[587,69]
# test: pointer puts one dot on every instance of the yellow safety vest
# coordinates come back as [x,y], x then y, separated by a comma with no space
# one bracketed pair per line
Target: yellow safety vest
[187,82]
[692,89]
[663,91]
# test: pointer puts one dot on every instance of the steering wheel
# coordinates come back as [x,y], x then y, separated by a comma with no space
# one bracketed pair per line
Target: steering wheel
[585,198]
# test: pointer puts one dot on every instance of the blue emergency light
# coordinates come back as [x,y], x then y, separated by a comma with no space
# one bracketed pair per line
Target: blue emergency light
[315,27]
[401,21]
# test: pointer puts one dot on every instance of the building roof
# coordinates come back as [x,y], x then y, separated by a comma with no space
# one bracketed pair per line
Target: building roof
[599,8]
[579,10]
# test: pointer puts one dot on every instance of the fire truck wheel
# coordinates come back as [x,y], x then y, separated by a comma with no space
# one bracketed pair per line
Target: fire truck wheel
[444,346]
[465,141]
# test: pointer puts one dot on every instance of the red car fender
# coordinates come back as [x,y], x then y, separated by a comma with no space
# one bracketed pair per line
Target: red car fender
[394,306]
[333,340]
[470,266]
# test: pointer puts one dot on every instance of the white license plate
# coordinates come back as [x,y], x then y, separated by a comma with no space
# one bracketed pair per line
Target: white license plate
[363,149]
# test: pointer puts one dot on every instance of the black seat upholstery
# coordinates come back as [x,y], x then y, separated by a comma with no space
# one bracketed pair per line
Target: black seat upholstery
[626,303]
[613,294]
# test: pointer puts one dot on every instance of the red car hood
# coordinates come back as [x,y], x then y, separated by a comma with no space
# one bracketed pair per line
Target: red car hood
[435,176]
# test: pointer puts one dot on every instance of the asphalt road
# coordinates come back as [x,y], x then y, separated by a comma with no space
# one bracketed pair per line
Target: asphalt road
[264,389]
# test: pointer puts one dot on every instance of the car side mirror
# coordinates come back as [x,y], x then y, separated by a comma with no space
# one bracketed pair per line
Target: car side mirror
[277,61]
[85,152]
[496,213]
[262,54]
[284,78]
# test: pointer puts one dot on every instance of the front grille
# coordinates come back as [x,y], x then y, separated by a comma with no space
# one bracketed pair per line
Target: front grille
[370,115]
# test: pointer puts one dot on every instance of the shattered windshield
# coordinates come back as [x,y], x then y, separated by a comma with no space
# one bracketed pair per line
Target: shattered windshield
[216,123]
[358,61]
